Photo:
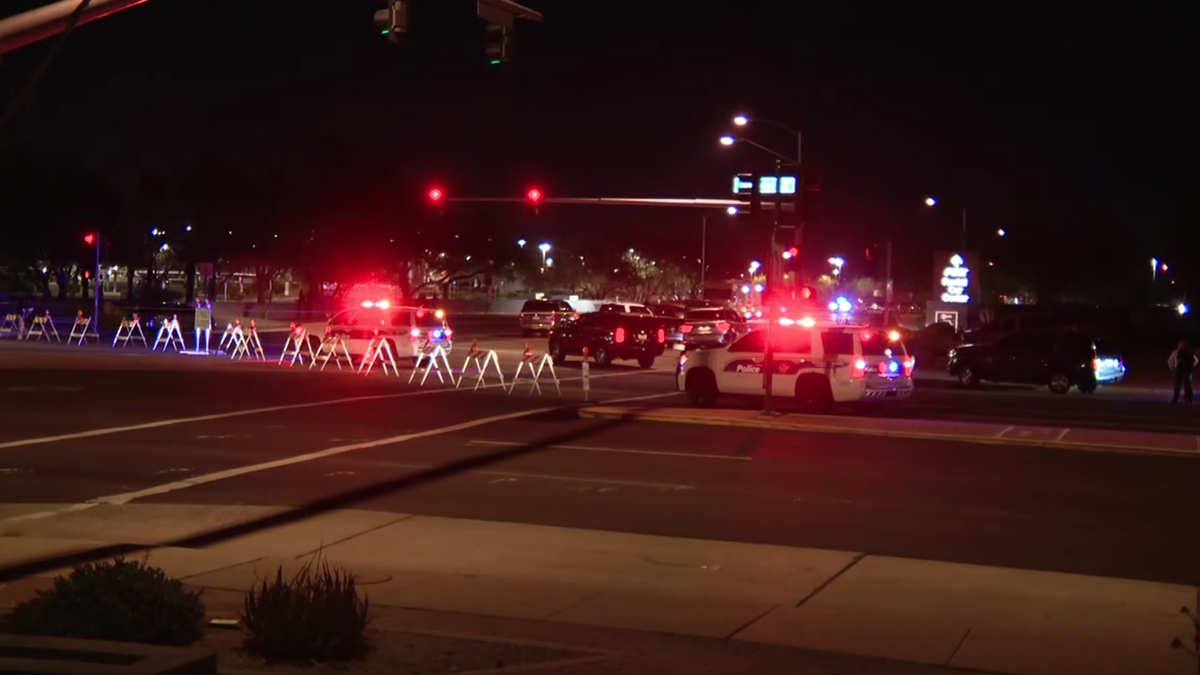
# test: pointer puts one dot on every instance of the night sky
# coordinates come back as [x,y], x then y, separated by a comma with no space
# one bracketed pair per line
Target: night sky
[1063,127]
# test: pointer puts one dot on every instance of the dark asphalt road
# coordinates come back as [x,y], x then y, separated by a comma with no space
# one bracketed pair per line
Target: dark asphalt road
[1119,515]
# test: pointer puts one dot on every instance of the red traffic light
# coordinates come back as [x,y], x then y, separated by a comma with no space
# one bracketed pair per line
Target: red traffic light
[534,195]
[794,251]
[89,239]
[808,293]
[436,195]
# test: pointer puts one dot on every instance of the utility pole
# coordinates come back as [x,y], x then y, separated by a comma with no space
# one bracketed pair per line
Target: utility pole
[887,289]
[703,252]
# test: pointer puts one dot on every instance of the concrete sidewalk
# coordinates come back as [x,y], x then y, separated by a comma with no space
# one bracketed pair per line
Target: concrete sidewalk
[949,614]
[1108,440]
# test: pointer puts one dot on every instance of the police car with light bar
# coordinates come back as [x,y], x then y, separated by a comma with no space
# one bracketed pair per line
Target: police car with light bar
[816,364]
[408,330]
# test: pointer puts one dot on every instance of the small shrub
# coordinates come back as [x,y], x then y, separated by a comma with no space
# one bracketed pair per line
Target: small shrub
[121,601]
[315,616]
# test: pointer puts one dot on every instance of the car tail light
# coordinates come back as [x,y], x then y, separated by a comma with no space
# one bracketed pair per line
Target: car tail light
[723,327]
[1095,364]
[414,334]
[683,359]
[662,335]
[883,367]
[575,316]
[860,368]
[686,328]
[619,335]
[448,333]
[909,364]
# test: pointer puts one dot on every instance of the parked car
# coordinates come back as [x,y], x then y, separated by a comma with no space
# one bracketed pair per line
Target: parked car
[672,316]
[539,316]
[1059,360]
[610,336]
[712,327]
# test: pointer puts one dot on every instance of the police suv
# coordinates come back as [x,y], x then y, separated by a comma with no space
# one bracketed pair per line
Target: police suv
[817,365]
[409,331]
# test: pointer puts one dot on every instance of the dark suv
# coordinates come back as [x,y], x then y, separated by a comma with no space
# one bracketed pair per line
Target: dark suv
[609,336]
[539,316]
[1059,360]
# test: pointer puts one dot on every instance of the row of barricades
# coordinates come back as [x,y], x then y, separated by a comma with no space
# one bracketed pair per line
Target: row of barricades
[481,366]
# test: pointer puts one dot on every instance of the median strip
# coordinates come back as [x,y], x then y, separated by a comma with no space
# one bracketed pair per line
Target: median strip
[1102,440]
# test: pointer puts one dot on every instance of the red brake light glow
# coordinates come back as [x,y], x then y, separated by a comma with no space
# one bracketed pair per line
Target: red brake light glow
[1095,364]
[420,314]
[883,368]
[619,335]
[662,335]
[860,368]
[909,364]
[866,335]
[723,327]
[686,328]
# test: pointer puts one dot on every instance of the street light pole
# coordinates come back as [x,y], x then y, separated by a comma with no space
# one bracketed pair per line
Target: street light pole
[964,230]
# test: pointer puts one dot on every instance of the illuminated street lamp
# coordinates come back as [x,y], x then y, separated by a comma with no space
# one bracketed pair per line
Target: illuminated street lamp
[521,243]
[754,265]
[932,202]
[1000,232]
[544,247]
[741,120]
[728,140]
[731,210]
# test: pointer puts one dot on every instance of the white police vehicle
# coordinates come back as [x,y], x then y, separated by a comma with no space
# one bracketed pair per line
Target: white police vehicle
[817,365]
[408,330]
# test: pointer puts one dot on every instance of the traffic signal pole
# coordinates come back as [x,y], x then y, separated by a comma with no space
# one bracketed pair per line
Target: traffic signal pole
[772,290]
[96,290]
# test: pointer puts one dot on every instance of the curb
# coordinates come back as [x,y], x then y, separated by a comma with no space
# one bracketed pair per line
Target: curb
[1114,448]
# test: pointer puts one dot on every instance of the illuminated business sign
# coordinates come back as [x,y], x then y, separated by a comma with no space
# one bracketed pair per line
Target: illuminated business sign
[743,184]
[955,281]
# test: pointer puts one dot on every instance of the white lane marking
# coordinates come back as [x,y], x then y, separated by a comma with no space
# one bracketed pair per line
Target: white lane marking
[1060,436]
[328,452]
[1006,430]
[256,411]
[581,479]
[584,448]
[180,470]
[207,418]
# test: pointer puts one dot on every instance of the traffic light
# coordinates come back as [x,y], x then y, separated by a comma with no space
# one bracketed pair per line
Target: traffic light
[791,253]
[808,293]
[534,197]
[393,21]
[755,195]
[437,198]
[89,238]
[499,44]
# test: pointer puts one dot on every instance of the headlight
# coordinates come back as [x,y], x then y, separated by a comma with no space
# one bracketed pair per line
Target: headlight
[952,353]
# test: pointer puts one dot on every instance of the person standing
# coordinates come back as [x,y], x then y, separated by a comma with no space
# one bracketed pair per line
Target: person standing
[1183,362]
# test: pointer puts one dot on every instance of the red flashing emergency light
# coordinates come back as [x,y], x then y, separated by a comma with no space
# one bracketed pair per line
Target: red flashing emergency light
[534,195]
[89,239]
[436,195]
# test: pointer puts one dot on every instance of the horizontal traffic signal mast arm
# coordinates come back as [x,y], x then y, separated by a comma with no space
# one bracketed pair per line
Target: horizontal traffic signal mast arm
[702,203]
[50,20]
